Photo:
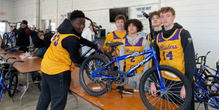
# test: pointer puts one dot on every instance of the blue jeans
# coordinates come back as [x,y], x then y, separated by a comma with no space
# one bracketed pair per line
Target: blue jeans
[41,52]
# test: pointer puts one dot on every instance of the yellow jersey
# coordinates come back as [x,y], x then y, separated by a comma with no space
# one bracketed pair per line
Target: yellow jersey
[130,49]
[171,53]
[115,36]
[57,58]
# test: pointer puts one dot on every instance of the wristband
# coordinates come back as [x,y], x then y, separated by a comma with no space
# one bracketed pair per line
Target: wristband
[99,48]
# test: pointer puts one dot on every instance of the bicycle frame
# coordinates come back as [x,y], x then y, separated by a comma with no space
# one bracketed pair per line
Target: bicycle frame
[117,59]
[4,87]
[206,67]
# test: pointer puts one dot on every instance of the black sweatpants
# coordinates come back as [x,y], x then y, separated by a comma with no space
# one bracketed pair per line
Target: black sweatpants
[54,89]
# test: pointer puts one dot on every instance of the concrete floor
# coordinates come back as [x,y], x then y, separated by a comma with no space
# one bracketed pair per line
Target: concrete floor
[30,100]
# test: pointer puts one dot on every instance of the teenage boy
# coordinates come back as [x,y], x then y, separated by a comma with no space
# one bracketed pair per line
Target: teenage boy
[59,60]
[156,23]
[118,35]
[175,48]
[131,44]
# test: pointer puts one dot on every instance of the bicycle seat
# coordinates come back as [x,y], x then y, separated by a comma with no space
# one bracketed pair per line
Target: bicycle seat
[113,44]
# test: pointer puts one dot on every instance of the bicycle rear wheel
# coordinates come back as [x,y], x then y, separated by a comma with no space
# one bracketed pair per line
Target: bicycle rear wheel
[169,99]
[5,39]
[95,86]
[212,100]
[13,85]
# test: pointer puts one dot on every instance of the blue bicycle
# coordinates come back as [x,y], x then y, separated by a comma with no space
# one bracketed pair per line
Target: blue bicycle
[9,38]
[206,92]
[8,77]
[96,77]
[204,70]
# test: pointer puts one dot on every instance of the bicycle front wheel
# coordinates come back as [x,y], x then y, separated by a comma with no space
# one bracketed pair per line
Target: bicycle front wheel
[95,86]
[172,98]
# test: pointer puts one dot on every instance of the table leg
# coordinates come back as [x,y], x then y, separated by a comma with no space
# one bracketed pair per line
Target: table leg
[25,89]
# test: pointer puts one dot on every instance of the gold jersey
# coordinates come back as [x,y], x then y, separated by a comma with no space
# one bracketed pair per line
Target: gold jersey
[132,48]
[57,58]
[171,53]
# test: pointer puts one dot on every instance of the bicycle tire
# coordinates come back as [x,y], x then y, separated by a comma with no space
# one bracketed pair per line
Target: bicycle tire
[177,73]
[13,84]
[5,39]
[108,57]
[92,80]
[207,100]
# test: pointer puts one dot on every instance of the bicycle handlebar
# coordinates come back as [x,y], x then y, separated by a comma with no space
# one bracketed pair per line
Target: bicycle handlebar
[10,58]
[203,58]
[92,25]
[151,29]
[10,22]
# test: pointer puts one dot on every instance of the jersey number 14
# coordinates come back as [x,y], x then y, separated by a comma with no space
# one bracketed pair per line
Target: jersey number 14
[169,54]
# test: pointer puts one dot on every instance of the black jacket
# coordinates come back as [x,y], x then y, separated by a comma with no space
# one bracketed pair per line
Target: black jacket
[188,49]
[47,39]
[23,39]
[71,43]
[38,43]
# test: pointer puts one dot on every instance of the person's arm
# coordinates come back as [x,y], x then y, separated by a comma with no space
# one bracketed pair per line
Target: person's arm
[189,54]
[35,50]
[109,38]
[72,45]
[121,53]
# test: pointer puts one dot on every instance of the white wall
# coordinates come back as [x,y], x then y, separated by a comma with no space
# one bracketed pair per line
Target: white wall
[7,7]
[199,17]
[25,10]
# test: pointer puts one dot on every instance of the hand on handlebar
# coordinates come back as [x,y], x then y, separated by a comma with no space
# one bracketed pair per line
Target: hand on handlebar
[101,49]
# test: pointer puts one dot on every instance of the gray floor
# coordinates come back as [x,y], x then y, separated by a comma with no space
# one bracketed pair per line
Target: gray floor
[31,97]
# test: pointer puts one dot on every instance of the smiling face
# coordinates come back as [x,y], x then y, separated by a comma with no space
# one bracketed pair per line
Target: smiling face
[167,19]
[78,24]
[156,21]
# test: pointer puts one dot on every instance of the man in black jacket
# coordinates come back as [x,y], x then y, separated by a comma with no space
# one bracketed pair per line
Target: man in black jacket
[23,40]
[59,60]
[39,44]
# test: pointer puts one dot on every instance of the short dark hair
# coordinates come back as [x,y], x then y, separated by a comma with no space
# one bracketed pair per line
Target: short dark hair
[76,14]
[136,23]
